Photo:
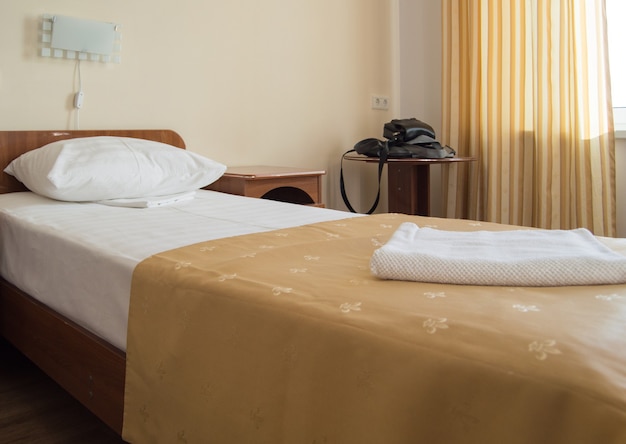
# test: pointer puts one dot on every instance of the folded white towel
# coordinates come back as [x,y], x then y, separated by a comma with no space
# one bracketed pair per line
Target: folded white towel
[510,258]
[150,201]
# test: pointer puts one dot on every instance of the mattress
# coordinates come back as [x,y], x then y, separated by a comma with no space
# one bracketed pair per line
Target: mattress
[78,258]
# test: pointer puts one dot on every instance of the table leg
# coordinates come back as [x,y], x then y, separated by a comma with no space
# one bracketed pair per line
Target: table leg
[408,188]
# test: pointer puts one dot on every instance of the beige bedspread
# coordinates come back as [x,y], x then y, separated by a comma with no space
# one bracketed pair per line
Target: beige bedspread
[286,337]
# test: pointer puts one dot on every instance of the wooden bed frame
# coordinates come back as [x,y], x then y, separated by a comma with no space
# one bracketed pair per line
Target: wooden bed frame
[86,366]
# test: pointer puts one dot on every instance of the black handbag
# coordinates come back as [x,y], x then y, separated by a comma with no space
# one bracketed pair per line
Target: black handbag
[406,138]
[404,130]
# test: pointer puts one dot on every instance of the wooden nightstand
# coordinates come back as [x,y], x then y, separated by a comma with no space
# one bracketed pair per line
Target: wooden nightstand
[286,184]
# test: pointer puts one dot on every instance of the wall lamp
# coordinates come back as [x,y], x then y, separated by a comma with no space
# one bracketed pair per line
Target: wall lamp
[78,39]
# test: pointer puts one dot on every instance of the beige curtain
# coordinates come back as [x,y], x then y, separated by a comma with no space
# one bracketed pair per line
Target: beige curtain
[526,91]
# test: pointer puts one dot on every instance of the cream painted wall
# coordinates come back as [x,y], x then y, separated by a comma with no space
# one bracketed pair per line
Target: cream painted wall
[244,82]
[420,73]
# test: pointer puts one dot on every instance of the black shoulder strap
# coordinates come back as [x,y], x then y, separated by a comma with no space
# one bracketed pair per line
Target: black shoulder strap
[381,163]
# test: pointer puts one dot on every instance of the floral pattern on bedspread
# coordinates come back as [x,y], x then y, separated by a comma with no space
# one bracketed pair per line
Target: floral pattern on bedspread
[286,337]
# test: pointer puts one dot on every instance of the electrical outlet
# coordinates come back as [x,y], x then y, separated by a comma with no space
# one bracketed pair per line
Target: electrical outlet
[380,102]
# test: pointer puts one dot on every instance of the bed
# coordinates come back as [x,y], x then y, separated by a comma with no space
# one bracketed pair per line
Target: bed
[289,338]
[86,366]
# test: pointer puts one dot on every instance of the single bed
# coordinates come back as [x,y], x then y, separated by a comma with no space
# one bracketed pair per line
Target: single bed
[289,338]
[82,363]
[90,362]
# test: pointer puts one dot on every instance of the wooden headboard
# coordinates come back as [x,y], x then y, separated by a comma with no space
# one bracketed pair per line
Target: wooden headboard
[15,143]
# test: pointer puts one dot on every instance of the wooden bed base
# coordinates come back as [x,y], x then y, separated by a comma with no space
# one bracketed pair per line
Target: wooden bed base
[86,366]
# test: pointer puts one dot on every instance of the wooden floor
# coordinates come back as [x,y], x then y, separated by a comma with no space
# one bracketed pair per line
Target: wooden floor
[34,409]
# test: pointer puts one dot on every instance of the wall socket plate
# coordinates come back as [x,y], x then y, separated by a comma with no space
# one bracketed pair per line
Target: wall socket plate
[380,102]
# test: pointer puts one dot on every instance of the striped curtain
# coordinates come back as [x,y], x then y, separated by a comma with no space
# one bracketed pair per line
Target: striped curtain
[526,91]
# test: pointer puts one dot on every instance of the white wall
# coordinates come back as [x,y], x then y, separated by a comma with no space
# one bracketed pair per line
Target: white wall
[244,82]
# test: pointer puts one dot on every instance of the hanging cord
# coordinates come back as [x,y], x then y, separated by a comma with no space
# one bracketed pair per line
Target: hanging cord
[381,163]
[80,90]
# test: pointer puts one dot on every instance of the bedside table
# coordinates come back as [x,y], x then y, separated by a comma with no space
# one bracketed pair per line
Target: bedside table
[285,184]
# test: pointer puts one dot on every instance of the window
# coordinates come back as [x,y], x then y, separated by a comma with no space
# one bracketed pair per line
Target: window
[616,13]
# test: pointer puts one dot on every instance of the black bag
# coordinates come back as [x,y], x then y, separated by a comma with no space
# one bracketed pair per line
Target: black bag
[420,148]
[406,138]
[403,130]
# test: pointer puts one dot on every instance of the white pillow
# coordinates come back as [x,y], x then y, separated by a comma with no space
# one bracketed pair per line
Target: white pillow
[104,167]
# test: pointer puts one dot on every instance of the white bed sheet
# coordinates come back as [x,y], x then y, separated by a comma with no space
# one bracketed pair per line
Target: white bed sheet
[78,258]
